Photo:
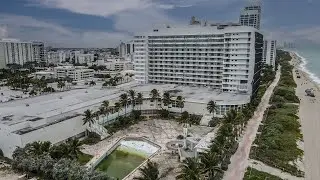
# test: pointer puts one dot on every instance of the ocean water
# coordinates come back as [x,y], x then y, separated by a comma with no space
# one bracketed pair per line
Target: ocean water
[310,57]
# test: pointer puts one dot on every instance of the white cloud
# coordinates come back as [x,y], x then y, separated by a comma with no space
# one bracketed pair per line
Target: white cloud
[298,34]
[142,21]
[95,7]
[28,28]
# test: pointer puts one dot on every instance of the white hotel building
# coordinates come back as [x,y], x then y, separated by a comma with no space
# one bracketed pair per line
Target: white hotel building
[226,57]
[269,52]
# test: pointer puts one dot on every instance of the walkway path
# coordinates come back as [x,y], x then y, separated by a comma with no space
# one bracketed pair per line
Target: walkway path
[271,170]
[240,160]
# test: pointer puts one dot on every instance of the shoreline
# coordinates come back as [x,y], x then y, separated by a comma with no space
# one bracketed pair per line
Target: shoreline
[309,116]
[301,63]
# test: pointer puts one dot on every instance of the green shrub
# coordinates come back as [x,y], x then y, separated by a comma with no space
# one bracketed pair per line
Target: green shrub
[253,174]
[277,142]
[92,138]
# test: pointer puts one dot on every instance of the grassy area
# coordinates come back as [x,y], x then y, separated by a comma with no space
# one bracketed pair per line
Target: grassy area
[84,158]
[253,174]
[281,130]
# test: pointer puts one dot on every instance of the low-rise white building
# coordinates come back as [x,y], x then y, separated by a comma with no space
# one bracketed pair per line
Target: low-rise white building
[119,65]
[45,75]
[76,73]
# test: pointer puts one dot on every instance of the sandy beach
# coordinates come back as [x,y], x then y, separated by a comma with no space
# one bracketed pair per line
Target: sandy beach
[309,113]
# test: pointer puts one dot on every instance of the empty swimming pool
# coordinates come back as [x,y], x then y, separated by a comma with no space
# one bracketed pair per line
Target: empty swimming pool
[127,156]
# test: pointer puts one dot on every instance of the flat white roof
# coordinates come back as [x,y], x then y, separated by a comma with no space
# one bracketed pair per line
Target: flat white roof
[199,30]
[197,94]
[44,72]
[78,100]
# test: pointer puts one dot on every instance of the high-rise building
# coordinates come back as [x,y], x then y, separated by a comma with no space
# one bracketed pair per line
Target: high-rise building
[38,52]
[251,15]
[122,49]
[221,57]
[140,59]
[269,52]
[13,51]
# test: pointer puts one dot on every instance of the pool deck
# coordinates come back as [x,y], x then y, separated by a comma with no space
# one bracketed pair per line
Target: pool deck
[157,131]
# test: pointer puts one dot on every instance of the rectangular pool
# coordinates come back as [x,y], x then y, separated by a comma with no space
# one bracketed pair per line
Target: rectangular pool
[125,158]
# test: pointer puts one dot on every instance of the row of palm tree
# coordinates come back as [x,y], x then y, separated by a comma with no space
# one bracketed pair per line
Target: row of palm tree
[130,98]
[113,81]
[213,163]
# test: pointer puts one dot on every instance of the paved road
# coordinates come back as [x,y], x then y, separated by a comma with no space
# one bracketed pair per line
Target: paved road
[240,160]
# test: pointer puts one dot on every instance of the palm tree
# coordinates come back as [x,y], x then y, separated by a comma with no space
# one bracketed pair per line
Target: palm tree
[190,170]
[230,116]
[102,111]
[154,94]
[185,119]
[117,107]
[166,99]
[61,85]
[180,102]
[211,107]
[132,95]
[105,105]
[149,172]
[74,148]
[88,118]
[240,122]
[38,148]
[124,102]
[92,83]
[210,164]
[139,99]
[234,119]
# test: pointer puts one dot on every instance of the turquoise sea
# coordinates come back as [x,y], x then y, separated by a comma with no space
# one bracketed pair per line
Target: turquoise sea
[311,61]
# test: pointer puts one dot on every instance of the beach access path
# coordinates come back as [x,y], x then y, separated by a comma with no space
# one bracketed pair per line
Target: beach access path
[309,113]
[240,160]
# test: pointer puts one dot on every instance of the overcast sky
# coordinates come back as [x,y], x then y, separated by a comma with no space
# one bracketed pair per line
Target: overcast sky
[104,23]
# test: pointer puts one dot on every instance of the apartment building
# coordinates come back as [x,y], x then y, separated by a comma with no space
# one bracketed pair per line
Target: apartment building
[251,15]
[13,51]
[76,73]
[269,52]
[84,58]
[224,57]
[140,59]
[38,52]
[54,57]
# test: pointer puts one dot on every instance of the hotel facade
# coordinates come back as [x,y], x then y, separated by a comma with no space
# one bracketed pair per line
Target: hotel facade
[223,57]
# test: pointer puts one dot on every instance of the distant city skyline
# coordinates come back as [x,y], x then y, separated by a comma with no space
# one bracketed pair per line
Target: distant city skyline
[96,23]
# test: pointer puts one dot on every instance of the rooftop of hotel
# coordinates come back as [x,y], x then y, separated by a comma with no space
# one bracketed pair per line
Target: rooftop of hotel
[79,100]
[197,94]
[211,28]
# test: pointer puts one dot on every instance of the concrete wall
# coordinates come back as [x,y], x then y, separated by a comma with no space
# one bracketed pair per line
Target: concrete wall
[54,133]
[9,142]
[57,132]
